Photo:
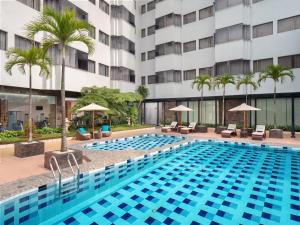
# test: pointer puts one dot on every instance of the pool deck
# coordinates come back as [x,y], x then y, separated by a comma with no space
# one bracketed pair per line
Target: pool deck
[18,175]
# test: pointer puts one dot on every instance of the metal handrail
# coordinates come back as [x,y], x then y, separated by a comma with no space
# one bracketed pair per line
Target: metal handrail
[53,158]
[76,164]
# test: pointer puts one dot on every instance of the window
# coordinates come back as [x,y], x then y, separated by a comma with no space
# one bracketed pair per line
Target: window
[103,70]
[143,80]
[290,62]
[189,18]
[168,48]
[103,38]
[35,4]
[223,4]
[24,43]
[206,42]
[119,11]
[255,1]
[206,70]
[206,12]
[288,24]
[121,42]
[263,30]
[91,66]
[92,32]
[3,40]
[234,67]
[189,74]
[151,30]
[143,9]
[165,77]
[232,33]
[104,6]
[151,6]
[261,64]
[143,33]
[168,20]
[93,1]
[151,54]
[122,73]
[189,46]
[143,56]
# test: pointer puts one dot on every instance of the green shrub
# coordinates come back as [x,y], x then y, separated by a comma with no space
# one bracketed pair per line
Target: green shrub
[11,134]
[49,130]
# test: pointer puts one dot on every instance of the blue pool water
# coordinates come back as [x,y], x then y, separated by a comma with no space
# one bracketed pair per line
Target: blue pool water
[142,142]
[200,183]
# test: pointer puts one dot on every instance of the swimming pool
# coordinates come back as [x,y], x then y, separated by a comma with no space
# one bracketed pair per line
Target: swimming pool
[204,182]
[142,142]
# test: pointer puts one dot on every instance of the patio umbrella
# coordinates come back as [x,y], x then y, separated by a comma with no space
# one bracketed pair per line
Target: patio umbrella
[92,108]
[180,109]
[244,108]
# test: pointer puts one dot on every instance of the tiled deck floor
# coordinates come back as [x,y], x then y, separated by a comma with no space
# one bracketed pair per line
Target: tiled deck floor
[13,168]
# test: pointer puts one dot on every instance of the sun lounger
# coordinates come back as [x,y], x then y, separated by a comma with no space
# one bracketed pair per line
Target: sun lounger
[167,129]
[260,132]
[231,130]
[82,135]
[190,128]
[105,131]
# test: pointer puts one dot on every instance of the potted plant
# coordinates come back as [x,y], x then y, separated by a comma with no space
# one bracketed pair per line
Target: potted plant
[61,28]
[276,73]
[247,80]
[201,81]
[26,59]
[221,82]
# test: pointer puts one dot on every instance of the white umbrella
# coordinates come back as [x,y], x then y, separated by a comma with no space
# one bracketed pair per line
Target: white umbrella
[180,109]
[244,108]
[92,108]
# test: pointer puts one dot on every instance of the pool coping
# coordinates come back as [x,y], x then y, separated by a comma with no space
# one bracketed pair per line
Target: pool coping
[9,191]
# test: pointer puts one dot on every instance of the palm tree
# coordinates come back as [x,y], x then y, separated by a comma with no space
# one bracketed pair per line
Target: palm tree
[276,73]
[144,93]
[222,81]
[28,58]
[246,80]
[61,28]
[200,81]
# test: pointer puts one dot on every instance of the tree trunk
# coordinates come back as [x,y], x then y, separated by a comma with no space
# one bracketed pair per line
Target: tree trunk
[275,122]
[223,107]
[30,107]
[63,103]
[201,105]
[246,95]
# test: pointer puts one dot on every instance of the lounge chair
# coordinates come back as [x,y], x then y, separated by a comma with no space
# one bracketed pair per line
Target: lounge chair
[82,135]
[231,130]
[190,128]
[167,129]
[105,131]
[260,132]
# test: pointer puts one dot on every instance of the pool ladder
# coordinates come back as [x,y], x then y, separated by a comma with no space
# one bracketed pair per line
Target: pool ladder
[70,157]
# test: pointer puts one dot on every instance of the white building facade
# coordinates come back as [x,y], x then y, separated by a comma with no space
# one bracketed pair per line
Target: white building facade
[162,44]
[215,37]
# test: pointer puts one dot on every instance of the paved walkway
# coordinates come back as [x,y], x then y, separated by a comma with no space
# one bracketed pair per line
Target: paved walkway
[23,173]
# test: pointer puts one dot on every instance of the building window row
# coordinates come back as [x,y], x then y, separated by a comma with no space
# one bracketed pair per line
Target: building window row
[203,14]
[171,19]
[232,33]
[233,67]
[189,74]
[35,4]
[165,77]
[92,32]
[103,37]
[121,42]
[91,66]
[168,48]
[224,4]
[104,6]
[3,40]
[150,6]
[103,70]
[24,43]
[121,12]
[122,73]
